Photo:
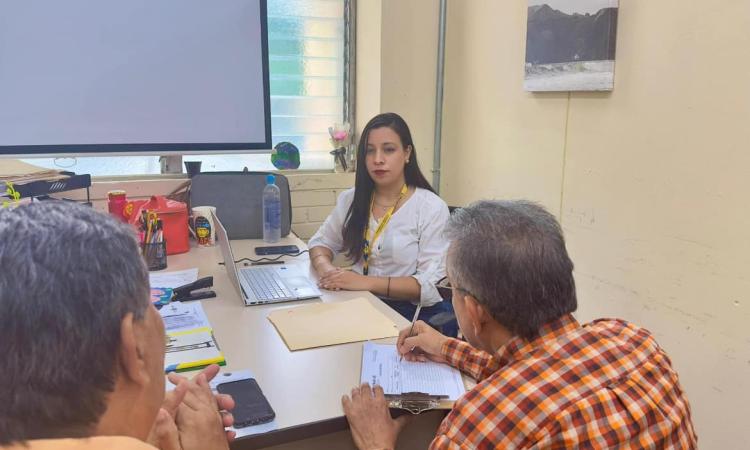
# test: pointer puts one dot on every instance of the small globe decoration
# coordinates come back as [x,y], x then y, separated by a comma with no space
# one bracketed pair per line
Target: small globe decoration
[285,155]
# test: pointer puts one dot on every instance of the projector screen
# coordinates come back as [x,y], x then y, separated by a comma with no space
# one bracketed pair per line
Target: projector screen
[87,77]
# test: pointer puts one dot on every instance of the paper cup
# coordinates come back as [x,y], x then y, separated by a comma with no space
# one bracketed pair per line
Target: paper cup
[203,224]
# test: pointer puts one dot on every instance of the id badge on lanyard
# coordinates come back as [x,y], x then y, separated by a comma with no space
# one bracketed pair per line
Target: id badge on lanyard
[378,231]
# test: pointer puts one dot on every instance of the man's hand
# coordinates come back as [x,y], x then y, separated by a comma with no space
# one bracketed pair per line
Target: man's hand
[425,344]
[198,421]
[165,434]
[224,402]
[369,419]
[339,279]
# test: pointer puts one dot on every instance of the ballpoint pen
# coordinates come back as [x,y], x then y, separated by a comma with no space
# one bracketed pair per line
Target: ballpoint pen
[411,330]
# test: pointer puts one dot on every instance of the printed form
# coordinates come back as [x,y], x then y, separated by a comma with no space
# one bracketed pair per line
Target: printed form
[172,279]
[179,316]
[381,366]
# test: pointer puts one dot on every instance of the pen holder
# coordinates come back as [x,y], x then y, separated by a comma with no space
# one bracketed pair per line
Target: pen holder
[155,255]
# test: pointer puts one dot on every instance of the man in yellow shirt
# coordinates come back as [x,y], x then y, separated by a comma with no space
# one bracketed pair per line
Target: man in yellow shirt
[82,348]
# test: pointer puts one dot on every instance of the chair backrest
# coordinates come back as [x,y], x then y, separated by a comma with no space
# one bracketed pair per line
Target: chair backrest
[238,198]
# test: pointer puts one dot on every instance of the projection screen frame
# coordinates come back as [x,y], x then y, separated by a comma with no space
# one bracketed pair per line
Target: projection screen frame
[163,149]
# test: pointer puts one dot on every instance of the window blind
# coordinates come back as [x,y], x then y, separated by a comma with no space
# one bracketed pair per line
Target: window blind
[306,59]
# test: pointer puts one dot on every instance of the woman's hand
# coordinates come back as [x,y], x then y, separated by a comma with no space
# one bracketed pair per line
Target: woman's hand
[323,266]
[321,259]
[340,279]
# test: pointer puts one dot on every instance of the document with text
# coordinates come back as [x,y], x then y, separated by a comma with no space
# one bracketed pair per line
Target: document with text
[172,279]
[381,366]
[179,316]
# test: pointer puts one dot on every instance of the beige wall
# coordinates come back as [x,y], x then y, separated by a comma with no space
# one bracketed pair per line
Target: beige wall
[650,182]
[369,19]
[408,74]
[498,141]
[396,58]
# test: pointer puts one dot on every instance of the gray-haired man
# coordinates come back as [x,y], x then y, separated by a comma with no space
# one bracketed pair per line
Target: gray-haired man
[82,349]
[543,380]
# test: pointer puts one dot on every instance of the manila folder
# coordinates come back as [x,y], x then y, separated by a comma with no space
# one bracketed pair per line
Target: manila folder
[322,324]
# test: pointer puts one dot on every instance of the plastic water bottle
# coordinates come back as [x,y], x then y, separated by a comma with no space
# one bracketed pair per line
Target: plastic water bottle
[271,210]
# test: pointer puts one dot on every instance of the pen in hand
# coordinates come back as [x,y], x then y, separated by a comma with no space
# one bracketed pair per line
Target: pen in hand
[411,330]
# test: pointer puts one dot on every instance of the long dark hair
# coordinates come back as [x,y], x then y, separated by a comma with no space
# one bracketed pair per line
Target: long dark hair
[359,211]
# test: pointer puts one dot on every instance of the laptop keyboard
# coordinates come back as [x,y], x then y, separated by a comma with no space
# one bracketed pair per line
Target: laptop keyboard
[266,284]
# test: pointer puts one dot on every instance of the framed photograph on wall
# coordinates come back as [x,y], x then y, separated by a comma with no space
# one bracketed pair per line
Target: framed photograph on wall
[570,45]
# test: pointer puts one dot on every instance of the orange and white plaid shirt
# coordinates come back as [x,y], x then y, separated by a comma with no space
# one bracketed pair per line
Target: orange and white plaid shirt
[603,385]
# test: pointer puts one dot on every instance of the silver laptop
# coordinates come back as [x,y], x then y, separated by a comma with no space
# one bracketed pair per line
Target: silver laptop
[259,285]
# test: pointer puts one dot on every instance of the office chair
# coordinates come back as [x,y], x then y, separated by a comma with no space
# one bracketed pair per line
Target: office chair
[238,198]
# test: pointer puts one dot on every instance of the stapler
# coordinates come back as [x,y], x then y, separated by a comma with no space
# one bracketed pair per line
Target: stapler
[185,293]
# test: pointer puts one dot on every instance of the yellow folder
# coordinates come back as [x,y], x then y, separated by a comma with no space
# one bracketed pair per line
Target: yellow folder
[323,324]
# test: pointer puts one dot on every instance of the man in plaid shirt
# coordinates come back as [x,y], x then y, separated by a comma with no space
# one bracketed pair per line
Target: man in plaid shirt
[543,380]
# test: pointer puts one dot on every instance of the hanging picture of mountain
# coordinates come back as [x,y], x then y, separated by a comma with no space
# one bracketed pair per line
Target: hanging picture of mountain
[570,45]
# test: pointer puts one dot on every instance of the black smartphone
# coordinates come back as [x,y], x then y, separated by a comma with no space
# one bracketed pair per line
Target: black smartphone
[276,250]
[251,406]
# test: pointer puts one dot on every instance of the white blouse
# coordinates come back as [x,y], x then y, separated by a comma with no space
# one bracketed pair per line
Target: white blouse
[412,243]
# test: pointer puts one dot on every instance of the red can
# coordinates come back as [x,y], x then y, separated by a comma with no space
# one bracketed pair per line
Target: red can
[117,203]
[174,216]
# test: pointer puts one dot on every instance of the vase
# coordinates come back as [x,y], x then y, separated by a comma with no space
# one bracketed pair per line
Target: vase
[351,154]
[340,160]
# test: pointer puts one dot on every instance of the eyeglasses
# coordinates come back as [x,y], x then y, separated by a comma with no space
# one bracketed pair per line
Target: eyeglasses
[445,289]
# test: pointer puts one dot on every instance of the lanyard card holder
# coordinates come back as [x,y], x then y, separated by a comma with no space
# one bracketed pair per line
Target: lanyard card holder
[415,402]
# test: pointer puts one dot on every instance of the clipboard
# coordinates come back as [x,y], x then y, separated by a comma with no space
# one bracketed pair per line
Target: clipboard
[410,386]
[418,402]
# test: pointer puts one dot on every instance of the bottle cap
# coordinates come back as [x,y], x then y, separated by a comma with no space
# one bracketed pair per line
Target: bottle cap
[270,179]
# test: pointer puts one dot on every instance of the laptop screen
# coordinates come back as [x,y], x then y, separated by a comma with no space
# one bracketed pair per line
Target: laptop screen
[226,252]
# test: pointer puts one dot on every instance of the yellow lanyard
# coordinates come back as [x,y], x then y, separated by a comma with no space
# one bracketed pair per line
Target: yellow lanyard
[379,230]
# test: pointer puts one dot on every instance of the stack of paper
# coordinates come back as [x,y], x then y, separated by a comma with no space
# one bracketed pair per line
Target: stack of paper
[322,324]
[191,340]
[19,172]
[382,366]
[172,279]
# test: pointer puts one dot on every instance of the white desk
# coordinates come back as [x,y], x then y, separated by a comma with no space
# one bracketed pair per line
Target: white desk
[304,387]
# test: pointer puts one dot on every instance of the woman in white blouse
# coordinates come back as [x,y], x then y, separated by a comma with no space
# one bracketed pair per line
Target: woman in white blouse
[390,225]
